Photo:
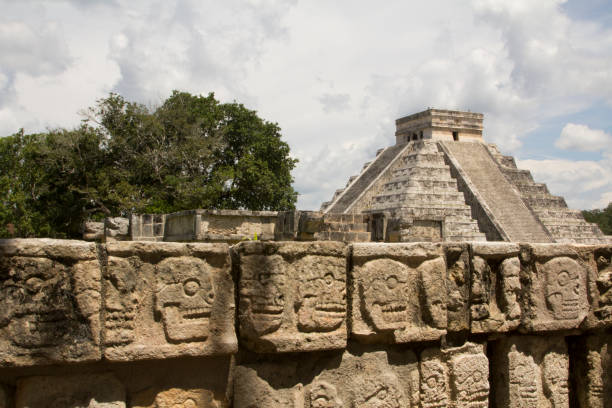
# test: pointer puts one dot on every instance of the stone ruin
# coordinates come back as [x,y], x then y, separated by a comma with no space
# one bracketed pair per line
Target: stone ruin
[304,324]
[303,309]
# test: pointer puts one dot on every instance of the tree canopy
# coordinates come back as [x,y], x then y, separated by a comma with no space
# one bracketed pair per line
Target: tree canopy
[190,152]
[602,217]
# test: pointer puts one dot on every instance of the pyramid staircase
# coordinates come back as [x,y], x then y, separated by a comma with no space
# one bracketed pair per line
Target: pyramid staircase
[563,224]
[420,187]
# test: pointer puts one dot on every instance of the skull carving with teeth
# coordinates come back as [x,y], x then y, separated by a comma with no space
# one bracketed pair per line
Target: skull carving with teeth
[184,298]
[322,293]
[386,293]
[564,290]
[262,297]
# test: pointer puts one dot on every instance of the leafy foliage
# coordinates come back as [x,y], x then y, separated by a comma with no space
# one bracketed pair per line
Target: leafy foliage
[602,217]
[190,152]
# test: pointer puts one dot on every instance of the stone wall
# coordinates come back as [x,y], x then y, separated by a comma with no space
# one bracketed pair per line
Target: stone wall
[304,324]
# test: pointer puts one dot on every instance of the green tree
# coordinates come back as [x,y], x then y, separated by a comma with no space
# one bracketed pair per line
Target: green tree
[190,152]
[603,218]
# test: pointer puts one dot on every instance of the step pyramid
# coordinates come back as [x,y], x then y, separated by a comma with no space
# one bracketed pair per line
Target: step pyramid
[442,182]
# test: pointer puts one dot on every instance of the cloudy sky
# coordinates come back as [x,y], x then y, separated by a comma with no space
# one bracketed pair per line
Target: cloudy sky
[334,74]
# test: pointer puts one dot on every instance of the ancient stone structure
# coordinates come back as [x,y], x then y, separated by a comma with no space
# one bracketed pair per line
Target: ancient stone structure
[442,182]
[304,324]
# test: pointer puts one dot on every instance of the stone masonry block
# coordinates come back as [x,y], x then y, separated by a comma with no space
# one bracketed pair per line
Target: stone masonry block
[600,289]
[168,299]
[292,295]
[495,287]
[49,302]
[531,371]
[398,292]
[175,398]
[592,357]
[375,379]
[83,390]
[455,377]
[554,282]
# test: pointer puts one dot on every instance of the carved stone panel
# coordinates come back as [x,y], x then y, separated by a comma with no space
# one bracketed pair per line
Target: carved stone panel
[292,295]
[366,379]
[495,288]
[555,278]
[455,377]
[177,398]
[458,287]
[83,390]
[168,299]
[531,372]
[600,289]
[399,292]
[49,302]
[592,358]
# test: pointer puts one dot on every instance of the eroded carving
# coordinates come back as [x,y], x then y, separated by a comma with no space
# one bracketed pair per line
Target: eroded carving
[523,377]
[563,288]
[184,297]
[603,310]
[262,297]
[35,301]
[121,301]
[382,391]
[495,294]
[434,387]
[470,380]
[324,395]
[555,369]
[321,304]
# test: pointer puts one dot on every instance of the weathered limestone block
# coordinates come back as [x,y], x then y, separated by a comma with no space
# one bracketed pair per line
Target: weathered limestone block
[376,379]
[116,229]
[592,357]
[455,377]
[168,299]
[531,371]
[177,397]
[93,231]
[600,289]
[458,286]
[292,295]
[554,281]
[83,390]
[399,292]
[49,302]
[495,288]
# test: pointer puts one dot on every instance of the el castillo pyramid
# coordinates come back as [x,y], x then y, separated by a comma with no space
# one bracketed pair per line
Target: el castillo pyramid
[442,182]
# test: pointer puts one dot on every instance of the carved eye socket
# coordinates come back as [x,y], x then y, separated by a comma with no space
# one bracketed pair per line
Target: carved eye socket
[477,376]
[329,279]
[392,282]
[563,278]
[191,287]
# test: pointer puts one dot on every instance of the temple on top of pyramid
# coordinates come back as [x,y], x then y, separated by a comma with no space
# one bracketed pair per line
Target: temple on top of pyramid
[442,182]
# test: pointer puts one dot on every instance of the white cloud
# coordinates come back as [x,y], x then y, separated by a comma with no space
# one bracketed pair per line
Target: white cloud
[583,138]
[334,75]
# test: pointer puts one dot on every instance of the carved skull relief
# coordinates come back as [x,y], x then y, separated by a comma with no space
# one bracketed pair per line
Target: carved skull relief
[523,379]
[121,301]
[262,295]
[185,297]
[382,391]
[34,301]
[564,289]
[555,375]
[386,293]
[471,381]
[324,395]
[322,293]
[434,390]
